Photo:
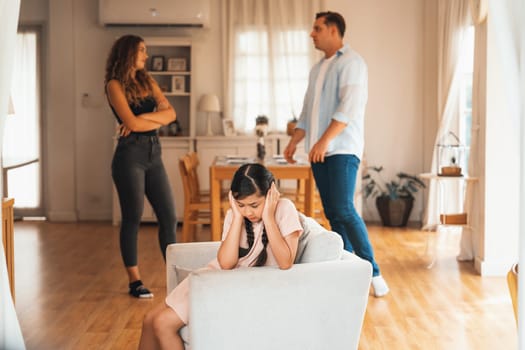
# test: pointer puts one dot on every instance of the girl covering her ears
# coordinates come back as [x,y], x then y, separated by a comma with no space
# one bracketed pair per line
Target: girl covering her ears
[137,169]
[260,229]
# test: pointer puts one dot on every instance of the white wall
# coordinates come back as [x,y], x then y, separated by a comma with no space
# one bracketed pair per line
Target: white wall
[389,34]
[499,225]
[61,144]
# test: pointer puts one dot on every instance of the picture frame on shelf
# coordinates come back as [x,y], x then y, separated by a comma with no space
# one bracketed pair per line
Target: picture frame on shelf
[178,84]
[157,63]
[228,127]
[176,64]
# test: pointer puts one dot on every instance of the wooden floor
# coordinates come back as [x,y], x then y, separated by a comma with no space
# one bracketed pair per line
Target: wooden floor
[71,292]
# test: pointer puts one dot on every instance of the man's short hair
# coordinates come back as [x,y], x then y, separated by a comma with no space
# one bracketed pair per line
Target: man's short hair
[333,18]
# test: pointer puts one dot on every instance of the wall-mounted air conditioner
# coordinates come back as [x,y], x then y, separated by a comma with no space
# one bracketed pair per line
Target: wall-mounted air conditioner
[173,13]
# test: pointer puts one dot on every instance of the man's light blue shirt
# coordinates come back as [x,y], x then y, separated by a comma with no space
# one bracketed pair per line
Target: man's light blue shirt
[343,98]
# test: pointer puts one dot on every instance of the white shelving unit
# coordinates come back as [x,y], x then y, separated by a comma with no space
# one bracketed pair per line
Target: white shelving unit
[175,78]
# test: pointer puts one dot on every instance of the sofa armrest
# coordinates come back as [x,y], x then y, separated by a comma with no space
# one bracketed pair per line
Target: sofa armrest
[351,256]
[187,256]
[310,306]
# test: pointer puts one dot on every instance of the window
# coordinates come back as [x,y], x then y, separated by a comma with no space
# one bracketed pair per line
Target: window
[21,144]
[270,76]
[465,95]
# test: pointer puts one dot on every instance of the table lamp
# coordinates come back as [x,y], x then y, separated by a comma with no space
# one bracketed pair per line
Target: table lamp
[209,103]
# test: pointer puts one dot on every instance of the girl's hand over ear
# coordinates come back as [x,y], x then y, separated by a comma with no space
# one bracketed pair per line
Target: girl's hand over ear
[235,208]
[270,204]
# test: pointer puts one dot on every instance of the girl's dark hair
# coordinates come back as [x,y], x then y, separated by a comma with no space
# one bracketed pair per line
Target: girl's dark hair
[333,18]
[120,65]
[252,179]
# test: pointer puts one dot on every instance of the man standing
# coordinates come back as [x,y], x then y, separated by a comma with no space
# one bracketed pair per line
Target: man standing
[332,120]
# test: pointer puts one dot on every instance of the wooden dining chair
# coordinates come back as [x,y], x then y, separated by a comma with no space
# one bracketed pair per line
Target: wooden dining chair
[194,162]
[197,209]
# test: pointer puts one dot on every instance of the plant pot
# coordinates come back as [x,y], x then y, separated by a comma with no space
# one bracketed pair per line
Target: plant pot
[394,212]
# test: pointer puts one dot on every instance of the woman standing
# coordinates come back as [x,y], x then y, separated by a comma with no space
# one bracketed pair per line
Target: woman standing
[137,169]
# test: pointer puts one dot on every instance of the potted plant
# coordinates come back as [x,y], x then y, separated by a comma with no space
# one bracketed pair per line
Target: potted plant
[394,198]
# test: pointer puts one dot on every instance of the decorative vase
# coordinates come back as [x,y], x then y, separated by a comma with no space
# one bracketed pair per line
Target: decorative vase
[174,128]
[261,130]
[261,149]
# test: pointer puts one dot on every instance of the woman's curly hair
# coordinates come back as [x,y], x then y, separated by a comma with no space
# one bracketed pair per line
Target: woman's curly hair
[121,64]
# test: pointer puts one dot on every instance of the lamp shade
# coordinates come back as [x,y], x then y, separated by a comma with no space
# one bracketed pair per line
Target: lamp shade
[10,107]
[209,103]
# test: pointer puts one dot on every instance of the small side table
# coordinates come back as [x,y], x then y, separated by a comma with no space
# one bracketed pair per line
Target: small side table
[8,240]
[449,219]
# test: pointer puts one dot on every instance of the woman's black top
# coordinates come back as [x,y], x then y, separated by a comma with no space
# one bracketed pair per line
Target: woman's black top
[145,105]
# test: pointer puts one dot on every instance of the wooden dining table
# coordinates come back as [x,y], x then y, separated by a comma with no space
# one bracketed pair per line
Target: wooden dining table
[223,169]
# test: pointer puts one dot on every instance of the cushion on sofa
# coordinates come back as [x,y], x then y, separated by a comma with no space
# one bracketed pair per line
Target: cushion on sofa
[317,244]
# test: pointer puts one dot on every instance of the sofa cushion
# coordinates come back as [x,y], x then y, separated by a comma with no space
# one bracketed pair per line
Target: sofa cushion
[317,244]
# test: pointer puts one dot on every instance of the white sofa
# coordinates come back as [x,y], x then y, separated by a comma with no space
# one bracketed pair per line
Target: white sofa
[317,304]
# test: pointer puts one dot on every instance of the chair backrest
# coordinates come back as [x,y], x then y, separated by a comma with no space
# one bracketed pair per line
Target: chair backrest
[189,181]
[194,160]
[186,183]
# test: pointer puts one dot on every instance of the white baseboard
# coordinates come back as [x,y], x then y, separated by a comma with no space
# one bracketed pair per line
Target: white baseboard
[95,216]
[62,216]
[71,216]
[498,268]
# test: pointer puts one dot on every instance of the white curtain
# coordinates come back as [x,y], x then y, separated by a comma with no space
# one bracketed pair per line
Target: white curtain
[453,21]
[474,202]
[268,55]
[22,132]
[22,137]
[507,18]
[10,333]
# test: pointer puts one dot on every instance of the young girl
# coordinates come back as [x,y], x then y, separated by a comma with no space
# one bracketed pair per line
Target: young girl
[260,229]
[137,169]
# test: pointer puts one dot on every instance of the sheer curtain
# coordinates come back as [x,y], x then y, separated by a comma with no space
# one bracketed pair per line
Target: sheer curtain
[267,59]
[22,132]
[474,204]
[453,21]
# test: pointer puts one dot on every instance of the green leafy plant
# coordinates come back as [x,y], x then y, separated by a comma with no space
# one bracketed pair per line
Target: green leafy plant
[404,185]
